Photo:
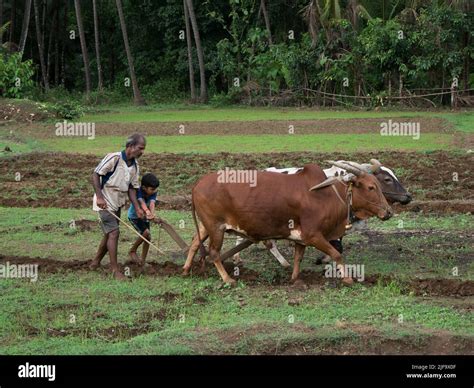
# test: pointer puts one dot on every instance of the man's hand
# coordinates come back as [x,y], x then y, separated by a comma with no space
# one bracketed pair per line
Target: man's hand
[101,202]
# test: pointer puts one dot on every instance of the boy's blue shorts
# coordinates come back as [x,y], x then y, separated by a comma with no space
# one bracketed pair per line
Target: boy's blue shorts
[140,225]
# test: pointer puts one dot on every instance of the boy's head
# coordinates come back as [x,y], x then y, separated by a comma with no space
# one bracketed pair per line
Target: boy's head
[150,183]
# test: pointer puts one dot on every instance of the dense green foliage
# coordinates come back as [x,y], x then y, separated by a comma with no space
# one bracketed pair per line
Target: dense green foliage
[370,49]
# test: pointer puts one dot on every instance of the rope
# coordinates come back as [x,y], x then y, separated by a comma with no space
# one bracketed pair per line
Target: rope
[385,97]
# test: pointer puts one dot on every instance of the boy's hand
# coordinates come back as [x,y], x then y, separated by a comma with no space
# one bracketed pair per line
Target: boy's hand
[149,215]
[140,213]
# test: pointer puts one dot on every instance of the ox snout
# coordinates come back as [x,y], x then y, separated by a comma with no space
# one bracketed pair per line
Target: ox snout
[385,214]
[407,199]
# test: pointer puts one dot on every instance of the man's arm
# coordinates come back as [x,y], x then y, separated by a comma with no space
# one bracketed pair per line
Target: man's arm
[132,194]
[98,191]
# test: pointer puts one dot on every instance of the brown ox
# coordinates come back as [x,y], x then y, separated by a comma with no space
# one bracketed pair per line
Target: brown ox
[304,207]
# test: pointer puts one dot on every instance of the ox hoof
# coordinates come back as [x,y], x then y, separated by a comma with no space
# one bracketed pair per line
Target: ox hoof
[347,281]
[185,271]
[299,284]
[230,282]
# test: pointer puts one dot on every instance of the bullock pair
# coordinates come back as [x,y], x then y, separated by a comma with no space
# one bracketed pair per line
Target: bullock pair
[391,187]
[307,207]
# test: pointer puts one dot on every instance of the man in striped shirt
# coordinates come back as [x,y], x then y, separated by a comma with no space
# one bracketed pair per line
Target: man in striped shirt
[115,180]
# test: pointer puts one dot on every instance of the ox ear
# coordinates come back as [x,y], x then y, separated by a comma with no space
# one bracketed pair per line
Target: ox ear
[328,182]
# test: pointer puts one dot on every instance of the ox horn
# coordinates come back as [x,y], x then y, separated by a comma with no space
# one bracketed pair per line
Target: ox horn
[356,171]
[375,165]
[328,182]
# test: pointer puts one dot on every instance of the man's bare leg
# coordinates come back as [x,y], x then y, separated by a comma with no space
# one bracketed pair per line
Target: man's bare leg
[101,251]
[112,246]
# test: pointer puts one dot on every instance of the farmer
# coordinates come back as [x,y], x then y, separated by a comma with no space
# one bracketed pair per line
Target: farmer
[146,197]
[115,178]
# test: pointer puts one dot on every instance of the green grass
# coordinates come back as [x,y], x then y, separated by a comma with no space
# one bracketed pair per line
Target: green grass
[462,122]
[206,113]
[82,312]
[47,232]
[258,143]
[85,313]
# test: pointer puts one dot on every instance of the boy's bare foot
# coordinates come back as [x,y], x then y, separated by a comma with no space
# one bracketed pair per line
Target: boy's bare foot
[134,257]
[94,265]
[119,275]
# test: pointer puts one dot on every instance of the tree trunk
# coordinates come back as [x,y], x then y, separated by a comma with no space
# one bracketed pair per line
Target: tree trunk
[63,45]
[190,52]
[466,66]
[137,97]
[39,38]
[266,17]
[56,48]
[44,4]
[82,39]
[1,20]
[97,47]
[12,21]
[50,42]
[200,54]
[25,26]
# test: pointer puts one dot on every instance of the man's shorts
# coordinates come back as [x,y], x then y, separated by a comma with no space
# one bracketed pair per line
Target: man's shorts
[108,222]
[140,225]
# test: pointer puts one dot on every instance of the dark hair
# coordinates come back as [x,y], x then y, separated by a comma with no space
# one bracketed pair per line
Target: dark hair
[135,139]
[150,180]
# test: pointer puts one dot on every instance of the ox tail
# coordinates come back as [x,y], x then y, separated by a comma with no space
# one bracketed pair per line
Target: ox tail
[202,249]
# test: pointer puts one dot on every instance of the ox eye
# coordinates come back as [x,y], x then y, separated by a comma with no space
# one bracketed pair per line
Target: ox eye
[371,188]
[388,180]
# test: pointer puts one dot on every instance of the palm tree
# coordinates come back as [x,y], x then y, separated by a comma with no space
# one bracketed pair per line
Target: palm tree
[137,97]
[24,27]
[355,11]
[97,48]
[12,20]
[1,20]
[39,39]
[82,38]
[266,17]
[200,54]
[190,52]
[466,6]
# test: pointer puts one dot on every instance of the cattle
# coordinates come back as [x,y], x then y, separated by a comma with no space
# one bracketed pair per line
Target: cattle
[307,208]
[391,188]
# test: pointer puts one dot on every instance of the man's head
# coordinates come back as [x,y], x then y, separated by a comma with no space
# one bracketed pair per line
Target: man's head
[150,183]
[135,145]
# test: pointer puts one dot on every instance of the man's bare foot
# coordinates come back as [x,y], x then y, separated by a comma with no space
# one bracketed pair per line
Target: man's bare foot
[94,265]
[134,257]
[119,275]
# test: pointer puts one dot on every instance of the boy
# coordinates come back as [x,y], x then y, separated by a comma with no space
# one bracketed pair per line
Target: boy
[146,197]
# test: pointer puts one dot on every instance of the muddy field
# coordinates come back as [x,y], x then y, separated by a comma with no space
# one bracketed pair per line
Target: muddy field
[308,278]
[63,180]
